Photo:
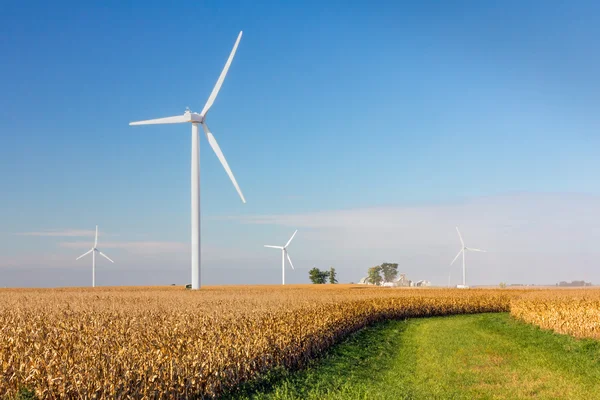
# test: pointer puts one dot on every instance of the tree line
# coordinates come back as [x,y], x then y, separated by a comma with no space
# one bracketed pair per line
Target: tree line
[379,274]
[574,283]
[320,277]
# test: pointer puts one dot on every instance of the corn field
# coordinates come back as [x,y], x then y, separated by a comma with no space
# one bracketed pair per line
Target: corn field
[150,343]
[574,312]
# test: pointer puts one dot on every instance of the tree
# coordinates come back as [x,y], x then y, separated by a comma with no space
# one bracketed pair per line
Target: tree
[332,279]
[317,276]
[375,275]
[314,275]
[502,285]
[390,271]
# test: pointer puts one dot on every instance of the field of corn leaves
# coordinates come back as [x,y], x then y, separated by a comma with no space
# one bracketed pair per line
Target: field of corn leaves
[573,312]
[169,342]
[173,343]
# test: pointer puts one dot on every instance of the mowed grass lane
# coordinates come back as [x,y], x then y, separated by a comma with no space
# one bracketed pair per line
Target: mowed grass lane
[482,356]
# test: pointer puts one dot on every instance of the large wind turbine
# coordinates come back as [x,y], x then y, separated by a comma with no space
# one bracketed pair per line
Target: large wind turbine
[94,250]
[200,119]
[284,253]
[463,249]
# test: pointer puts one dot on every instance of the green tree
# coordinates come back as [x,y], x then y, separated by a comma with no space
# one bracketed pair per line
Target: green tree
[332,279]
[389,271]
[324,276]
[317,276]
[374,276]
[314,275]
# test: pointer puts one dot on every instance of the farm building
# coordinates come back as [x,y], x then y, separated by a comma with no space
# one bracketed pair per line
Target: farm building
[401,281]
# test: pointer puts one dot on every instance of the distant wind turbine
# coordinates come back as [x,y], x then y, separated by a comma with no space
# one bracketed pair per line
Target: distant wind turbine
[94,250]
[200,119]
[463,249]
[284,253]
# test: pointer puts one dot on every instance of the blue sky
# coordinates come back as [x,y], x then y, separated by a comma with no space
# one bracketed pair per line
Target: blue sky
[327,107]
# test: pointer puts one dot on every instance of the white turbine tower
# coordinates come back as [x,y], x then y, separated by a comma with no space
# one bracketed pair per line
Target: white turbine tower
[200,119]
[284,254]
[463,249]
[94,250]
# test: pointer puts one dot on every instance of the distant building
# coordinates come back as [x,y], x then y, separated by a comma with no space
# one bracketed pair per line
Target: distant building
[423,283]
[402,281]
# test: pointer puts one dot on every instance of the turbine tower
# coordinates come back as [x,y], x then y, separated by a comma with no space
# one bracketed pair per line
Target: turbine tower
[200,119]
[463,249]
[284,253]
[94,250]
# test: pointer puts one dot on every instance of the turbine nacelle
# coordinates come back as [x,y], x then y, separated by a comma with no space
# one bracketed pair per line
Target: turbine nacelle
[193,117]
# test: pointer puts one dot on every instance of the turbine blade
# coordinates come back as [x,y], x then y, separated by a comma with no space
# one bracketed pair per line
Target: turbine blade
[470,249]
[461,250]
[274,247]
[168,120]
[221,157]
[105,256]
[460,237]
[290,241]
[84,254]
[289,259]
[96,240]
[215,91]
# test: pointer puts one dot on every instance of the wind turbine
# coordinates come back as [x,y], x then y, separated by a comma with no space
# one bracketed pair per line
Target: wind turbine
[463,250]
[94,250]
[284,253]
[200,119]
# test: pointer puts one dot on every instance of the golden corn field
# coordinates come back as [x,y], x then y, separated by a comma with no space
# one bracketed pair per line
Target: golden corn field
[574,312]
[172,343]
[169,342]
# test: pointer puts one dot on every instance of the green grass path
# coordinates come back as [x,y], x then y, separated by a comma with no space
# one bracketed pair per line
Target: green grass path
[481,356]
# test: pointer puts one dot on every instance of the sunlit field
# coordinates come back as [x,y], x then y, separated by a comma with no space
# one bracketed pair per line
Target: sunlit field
[172,342]
[574,312]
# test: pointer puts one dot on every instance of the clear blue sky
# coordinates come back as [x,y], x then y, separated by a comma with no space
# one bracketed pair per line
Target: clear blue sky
[337,106]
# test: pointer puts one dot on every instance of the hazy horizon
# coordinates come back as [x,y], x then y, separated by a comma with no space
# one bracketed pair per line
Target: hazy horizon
[528,238]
